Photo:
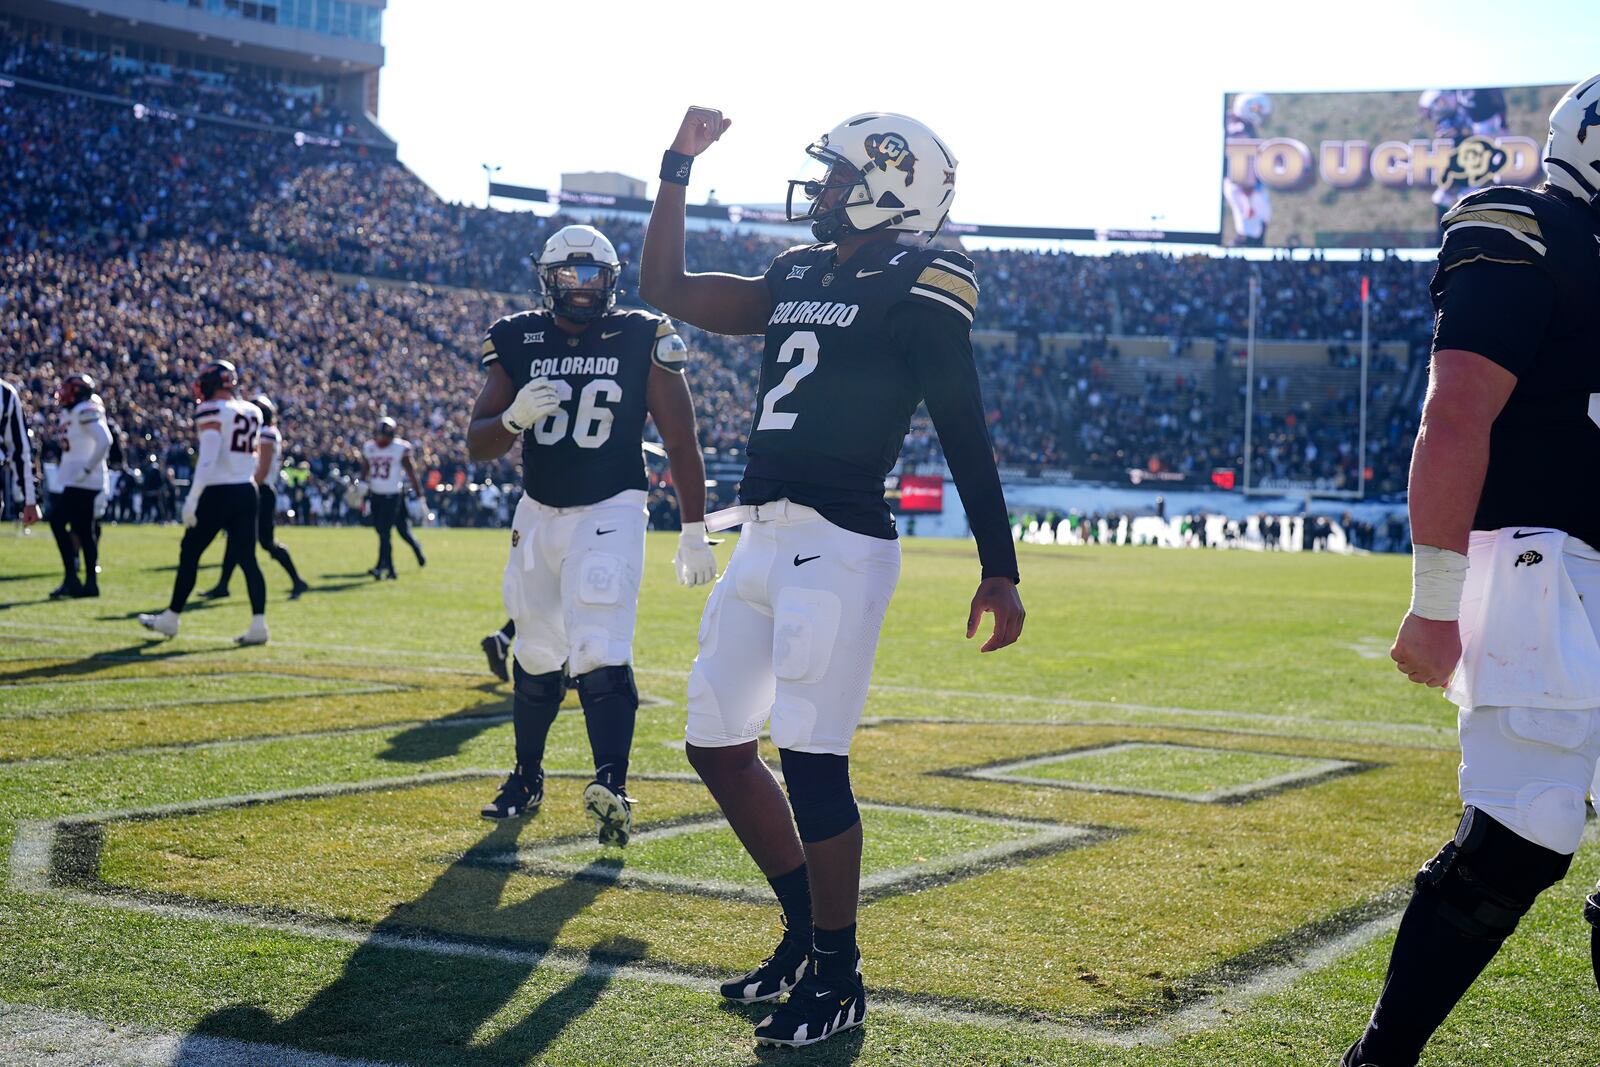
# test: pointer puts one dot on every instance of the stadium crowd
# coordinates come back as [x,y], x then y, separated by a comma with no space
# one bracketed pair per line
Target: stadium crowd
[137,247]
[239,98]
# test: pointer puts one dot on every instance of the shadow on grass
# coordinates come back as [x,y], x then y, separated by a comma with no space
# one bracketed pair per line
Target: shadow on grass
[27,577]
[401,1005]
[446,735]
[150,650]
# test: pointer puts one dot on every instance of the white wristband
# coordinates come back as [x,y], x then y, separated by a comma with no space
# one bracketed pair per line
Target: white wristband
[505,420]
[1437,576]
[694,533]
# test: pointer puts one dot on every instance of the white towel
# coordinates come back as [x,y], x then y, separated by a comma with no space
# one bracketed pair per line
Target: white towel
[1527,640]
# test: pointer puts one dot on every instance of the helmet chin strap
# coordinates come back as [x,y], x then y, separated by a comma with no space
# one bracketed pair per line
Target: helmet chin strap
[1590,192]
[836,223]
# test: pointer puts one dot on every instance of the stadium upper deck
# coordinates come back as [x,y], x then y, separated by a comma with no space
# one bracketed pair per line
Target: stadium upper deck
[99,187]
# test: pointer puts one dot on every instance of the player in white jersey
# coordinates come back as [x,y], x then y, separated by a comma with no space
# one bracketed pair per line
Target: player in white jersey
[385,467]
[1248,199]
[269,459]
[85,440]
[222,498]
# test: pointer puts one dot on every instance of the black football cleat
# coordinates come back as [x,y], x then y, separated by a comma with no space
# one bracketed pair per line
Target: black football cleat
[215,593]
[612,810]
[817,1009]
[777,974]
[377,574]
[85,592]
[495,647]
[520,796]
[299,590]
[68,588]
[1353,1057]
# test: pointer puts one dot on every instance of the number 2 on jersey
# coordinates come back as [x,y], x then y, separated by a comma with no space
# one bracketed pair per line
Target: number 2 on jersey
[244,433]
[802,343]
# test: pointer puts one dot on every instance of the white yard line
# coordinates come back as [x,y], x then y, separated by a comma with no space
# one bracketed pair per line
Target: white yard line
[39,1037]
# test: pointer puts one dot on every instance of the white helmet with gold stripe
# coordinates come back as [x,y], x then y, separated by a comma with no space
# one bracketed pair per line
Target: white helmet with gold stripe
[876,171]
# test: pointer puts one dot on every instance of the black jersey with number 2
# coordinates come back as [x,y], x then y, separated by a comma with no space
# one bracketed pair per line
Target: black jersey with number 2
[1518,282]
[589,449]
[851,350]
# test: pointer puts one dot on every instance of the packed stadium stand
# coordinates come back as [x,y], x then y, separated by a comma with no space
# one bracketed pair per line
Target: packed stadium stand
[156,219]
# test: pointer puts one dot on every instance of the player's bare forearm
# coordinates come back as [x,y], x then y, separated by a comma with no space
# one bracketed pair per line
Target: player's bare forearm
[689,482]
[488,439]
[672,410]
[487,436]
[721,303]
[1447,469]
[661,261]
[1465,395]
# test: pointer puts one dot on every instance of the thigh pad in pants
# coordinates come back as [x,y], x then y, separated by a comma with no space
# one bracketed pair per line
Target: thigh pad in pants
[531,589]
[1530,768]
[600,588]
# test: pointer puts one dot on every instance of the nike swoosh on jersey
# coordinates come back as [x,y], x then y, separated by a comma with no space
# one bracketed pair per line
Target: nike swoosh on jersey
[867,273]
[798,559]
[602,533]
[1520,534]
[609,336]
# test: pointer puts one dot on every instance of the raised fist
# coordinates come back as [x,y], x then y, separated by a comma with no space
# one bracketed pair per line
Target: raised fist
[701,128]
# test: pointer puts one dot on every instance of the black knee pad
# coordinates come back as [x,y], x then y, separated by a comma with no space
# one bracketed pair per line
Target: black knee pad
[1485,880]
[607,682]
[543,689]
[819,793]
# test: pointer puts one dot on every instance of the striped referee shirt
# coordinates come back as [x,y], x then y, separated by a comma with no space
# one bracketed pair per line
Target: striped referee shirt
[15,450]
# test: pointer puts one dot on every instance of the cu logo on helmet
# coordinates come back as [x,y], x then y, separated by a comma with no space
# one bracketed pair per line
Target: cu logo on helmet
[890,150]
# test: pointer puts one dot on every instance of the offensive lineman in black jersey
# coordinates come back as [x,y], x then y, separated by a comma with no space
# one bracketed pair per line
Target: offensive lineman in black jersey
[575,380]
[1512,417]
[859,329]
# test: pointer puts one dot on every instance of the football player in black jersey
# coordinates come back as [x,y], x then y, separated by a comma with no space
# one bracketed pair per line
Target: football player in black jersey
[576,379]
[1505,608]
[860,329]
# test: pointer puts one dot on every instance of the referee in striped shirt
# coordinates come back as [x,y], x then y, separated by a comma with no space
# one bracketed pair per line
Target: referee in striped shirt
[15,450]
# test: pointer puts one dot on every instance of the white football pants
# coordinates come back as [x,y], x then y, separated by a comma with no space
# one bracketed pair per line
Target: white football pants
[789,633]
[572,582]
[1530,616]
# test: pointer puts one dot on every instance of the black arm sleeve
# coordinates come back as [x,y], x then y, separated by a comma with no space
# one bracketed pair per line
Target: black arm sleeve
[1498,310]
[938,346]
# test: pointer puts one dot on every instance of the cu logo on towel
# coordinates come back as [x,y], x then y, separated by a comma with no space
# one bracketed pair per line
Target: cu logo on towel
[1529,557]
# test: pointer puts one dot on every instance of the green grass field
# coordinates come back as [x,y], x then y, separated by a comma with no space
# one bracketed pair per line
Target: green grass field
[1172,827]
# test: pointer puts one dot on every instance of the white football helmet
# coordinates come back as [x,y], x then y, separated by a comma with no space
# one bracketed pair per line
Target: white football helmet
[1572,152]
[876,171]
[1254,108]
[1437,104]
[578,272]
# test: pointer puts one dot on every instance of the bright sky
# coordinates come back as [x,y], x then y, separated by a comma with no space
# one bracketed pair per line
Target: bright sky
[1061,114]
